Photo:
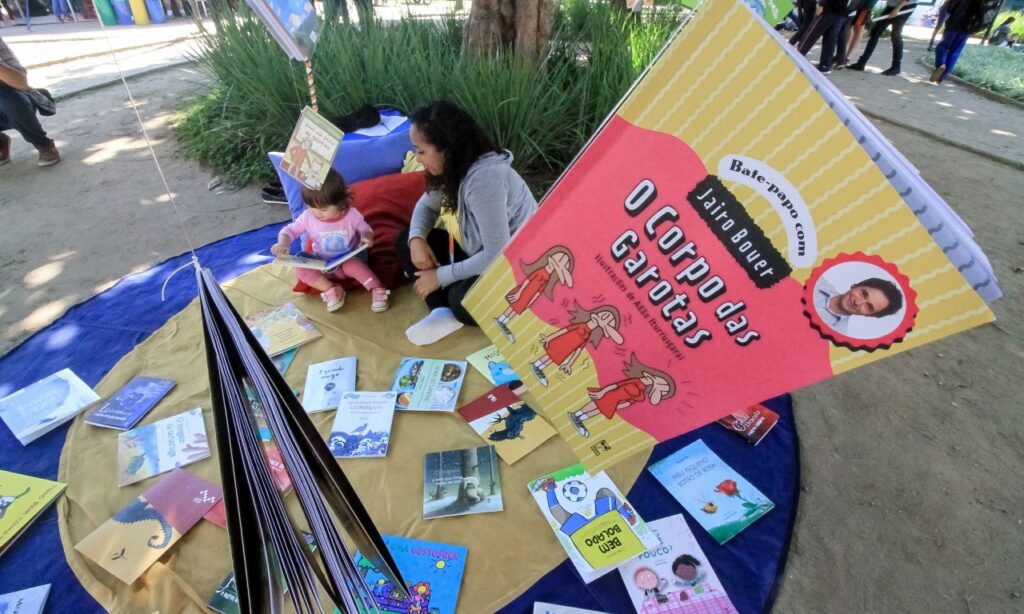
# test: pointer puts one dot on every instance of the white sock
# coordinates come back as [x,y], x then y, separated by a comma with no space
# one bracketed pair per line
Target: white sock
[438,324]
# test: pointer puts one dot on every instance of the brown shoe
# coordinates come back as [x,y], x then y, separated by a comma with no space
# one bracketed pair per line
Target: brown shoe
[48,156]
[5,149]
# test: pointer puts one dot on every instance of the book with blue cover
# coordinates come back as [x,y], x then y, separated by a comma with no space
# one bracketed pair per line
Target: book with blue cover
[717,497]
[26,601]
[161,446]
[41,407]
[432,571]
[127,406]
[292,23]
[362,426]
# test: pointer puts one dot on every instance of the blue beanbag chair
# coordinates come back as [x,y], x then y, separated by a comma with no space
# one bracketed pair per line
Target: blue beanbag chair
[357,159]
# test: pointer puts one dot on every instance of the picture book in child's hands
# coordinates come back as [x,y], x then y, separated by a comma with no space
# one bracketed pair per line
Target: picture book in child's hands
[128,405]
[424,384]
[593,521]
[311,149]
[493,366]
[362,426]
[41,407]
[432,571]
[161,446]
[326,381]
[539,607]
[27,601]
[281,328]
[324,266]
[22,499]
[712,492]
[138,535]
[752,423]
[675,576]
[507,422]
[457,482]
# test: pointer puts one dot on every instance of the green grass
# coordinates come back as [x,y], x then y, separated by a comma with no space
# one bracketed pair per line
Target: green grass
[999,70]
[543,113]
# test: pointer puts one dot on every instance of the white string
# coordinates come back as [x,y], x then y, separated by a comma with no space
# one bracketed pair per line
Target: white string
[152,153]
[194,262]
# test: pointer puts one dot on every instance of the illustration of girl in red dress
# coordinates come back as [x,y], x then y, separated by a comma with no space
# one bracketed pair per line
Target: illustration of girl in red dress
[554,267]
[563,347]
[643,383]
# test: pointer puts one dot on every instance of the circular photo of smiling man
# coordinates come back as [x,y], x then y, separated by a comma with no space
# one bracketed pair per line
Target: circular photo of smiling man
[860,301]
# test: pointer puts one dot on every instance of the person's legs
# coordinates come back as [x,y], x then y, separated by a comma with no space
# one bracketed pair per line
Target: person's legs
[437,240]
[842,35]
[441,321]
[828,42]
[876,33]
[18,113]
[821,22]
[456,293]
[957,42]
[897,45]
[360,271]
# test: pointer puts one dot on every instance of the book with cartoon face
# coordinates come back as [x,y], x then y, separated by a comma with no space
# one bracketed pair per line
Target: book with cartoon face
[281,328]
[457,482]
[127,406]
[22,499]
[424,384]
[675,577]
[27,601]
[41,407]
[135,537]
[432,572]
[508,423]
[362,426]
[161,446]
[596,525]
[717,497]
[325,383]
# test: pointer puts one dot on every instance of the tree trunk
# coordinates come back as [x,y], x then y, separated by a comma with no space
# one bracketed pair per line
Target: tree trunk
[524,25]
[469,469]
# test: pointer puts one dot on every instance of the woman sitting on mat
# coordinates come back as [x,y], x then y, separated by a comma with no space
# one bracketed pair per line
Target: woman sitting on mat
[482,201]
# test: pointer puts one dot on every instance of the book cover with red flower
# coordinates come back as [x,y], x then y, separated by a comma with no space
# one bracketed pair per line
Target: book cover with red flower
[719,499]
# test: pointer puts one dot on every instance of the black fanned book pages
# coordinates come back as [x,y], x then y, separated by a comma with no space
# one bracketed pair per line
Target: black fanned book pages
[261,533]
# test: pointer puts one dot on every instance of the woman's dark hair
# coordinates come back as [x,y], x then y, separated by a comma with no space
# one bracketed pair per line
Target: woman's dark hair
[456,135]
[332,192]
[889,290]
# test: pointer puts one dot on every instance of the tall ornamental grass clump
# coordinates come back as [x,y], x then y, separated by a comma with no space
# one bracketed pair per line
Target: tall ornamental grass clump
[544,112]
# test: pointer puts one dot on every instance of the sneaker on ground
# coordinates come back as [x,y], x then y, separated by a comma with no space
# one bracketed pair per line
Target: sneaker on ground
[825,71]
[48,156]
[891,72]
[937,74]
[855,66]
[334,297]
[380,301]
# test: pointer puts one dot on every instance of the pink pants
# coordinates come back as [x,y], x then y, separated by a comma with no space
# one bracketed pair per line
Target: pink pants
[350,269]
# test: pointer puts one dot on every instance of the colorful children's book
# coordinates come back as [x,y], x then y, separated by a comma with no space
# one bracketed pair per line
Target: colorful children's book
[457,482]
[161,446]
[493,366]
[424,384]
[752,423]
[432,571]
[717,497]
[311,150]
[593,521]
[41,407]
[138,535]
[324,266]
[674,577]
[771,239]
[362,426]
[281,328]
[284,360]
[539,607]
[292,23]
[326,381]
[28,601]
[22,499]
[507,422]
[128,405]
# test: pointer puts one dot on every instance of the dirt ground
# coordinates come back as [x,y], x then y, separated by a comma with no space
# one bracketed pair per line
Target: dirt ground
[911,467]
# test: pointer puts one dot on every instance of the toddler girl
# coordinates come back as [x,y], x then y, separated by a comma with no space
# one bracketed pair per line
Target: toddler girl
[335,228]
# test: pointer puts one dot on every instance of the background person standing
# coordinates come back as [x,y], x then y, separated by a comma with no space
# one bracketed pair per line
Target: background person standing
[18,103]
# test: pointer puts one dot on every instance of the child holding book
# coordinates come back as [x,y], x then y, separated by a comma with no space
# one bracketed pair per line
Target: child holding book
[334,228]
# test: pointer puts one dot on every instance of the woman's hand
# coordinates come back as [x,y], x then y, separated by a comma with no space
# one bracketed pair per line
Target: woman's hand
[279,249]
[422,256]
[426,282]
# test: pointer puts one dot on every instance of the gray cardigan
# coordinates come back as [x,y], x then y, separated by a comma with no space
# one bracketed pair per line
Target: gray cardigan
[494,202]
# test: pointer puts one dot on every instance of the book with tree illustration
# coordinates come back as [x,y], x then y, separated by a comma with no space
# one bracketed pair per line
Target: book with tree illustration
[362,426]
[425,384]
[432,571]
[457,482]
[281,328]
[717,497]
[41,407]
[161,446]
[145,529]
[507,422]
[22,499]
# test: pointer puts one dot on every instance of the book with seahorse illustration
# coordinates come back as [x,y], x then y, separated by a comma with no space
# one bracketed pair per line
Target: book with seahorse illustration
[508,423]
[135,537]
[161,446]
[22,499]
